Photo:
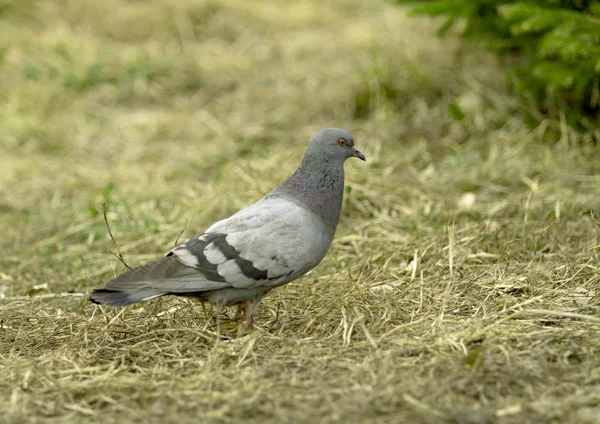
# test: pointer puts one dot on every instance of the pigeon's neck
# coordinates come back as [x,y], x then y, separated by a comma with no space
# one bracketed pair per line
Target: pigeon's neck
[319,184]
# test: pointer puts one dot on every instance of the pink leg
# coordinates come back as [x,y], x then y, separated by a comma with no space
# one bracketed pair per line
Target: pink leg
[248,314]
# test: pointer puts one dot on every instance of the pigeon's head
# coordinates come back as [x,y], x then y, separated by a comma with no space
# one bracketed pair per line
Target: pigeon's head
[334,143]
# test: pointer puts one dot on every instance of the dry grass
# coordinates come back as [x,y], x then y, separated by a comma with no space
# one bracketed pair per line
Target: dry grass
[463,284]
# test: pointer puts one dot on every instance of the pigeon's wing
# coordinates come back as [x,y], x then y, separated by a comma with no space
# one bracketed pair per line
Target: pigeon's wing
[268,243]
[167,274]
[157,278]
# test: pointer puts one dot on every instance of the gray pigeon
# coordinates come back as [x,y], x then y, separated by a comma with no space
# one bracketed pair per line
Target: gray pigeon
[270,243]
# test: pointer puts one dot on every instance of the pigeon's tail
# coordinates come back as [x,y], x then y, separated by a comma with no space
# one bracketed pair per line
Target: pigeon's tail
[122,298]
[164,276]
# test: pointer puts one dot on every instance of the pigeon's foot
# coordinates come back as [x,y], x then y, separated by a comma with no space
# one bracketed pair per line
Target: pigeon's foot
[244,313]
[240,312]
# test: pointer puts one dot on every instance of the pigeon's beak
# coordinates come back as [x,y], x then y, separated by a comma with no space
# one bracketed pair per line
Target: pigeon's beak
[358,154]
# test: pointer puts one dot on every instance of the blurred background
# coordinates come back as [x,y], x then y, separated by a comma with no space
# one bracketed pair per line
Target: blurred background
[479,199]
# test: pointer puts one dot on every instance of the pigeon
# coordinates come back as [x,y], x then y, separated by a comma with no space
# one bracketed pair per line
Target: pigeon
[270,243]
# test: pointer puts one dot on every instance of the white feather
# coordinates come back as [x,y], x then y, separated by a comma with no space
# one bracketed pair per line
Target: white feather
[213,254]
[231,271]
[185,256]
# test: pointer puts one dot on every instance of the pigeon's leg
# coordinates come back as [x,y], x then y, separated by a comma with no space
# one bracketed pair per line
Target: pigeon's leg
[245,312]
[249,314]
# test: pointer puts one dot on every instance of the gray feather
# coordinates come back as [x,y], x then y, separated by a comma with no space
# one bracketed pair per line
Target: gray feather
[270,243]
[167,274]
[120,298]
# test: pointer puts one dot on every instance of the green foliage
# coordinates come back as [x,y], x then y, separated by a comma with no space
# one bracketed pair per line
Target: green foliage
[552,49]
[63,65]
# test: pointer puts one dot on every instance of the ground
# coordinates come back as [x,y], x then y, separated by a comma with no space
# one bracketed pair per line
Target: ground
[462,285]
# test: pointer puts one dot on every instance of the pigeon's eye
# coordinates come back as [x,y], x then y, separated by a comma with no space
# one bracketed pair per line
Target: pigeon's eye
[342,142]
